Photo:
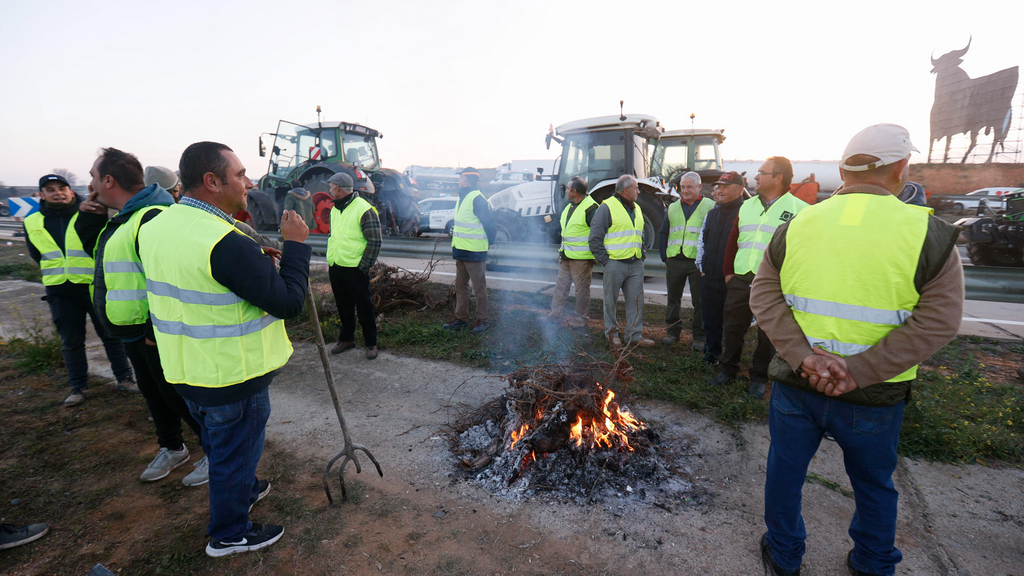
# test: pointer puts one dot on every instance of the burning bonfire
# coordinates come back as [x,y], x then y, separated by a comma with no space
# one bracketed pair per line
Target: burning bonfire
[561,432]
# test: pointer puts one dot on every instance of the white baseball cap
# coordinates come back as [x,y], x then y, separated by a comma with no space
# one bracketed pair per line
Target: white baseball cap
[887,142]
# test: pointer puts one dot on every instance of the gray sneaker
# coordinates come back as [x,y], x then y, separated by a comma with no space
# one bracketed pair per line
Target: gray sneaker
[199,476]
[76,397]
[165,461]
[127,385]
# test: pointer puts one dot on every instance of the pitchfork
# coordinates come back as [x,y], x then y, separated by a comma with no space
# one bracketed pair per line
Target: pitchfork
[348,453]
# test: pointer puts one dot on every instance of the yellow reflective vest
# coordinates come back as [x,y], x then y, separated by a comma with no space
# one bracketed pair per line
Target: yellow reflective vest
[126,301]
[576,231]
[683,232]
[625,237]
[208,337]
[73,265]
[848,273]
[468,231]
[346,244]
[757,226]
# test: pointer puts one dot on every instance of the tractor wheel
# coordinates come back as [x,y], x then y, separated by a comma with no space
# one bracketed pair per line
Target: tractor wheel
[502,235]
[985,255]
[244,217]
[322,204]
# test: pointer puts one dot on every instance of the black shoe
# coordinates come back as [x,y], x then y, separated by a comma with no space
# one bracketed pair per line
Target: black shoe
[710,359]
[11,535]
[264,490]
[260,536]
[854,571]
[455,325]
[720,379]
[770,567]
[756,389]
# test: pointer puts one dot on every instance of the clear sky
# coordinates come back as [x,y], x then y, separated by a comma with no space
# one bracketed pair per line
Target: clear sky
[471,82]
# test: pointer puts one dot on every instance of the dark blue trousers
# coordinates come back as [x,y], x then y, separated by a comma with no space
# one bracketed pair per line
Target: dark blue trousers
[68,313]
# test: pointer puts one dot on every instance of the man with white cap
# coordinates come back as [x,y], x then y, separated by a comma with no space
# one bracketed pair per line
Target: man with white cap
[854,293]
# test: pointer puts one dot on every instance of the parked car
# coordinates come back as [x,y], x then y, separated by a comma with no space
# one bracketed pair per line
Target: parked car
[991,195]
[438,214]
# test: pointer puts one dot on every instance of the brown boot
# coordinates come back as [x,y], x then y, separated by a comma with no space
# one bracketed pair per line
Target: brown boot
[342,346]
[371,352]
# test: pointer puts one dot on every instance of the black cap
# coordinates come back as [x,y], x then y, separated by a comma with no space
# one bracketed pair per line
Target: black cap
[730,178]
[51,178]
[469,171]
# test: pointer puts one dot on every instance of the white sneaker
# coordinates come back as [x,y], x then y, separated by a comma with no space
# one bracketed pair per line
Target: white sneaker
[199,476]
[165,461]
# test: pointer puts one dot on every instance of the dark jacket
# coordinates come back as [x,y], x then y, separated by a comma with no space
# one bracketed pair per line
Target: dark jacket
[717,227]
[301,200]
[482,210]
[152,195]
[239,264]
[56,222]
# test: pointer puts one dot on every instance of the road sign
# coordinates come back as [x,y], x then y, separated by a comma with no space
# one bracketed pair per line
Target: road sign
[22,206]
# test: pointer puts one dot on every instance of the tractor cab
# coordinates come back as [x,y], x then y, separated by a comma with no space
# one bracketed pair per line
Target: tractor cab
[679,151]
[298,147]
[602,149]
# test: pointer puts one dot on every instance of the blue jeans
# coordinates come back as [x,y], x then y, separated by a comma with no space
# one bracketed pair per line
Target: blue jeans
[68,310]
[868,436]
[233,441]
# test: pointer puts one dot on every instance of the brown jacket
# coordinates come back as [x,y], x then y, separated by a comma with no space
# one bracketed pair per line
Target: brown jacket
[935,321]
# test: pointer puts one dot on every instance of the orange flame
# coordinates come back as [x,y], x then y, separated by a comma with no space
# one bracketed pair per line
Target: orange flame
[615,426]
[516,437]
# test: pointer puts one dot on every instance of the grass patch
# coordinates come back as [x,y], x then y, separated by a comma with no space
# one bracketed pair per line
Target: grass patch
[966,405]
[813,478]
[16,264]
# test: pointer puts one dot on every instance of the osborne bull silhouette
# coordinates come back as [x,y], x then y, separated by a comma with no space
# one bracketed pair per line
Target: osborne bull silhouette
[964,104]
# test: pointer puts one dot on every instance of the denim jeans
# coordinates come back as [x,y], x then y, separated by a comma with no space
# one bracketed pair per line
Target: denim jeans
[68,314]
[868,436]
[233,441]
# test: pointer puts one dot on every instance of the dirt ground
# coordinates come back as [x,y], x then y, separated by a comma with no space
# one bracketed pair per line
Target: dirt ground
[420,518]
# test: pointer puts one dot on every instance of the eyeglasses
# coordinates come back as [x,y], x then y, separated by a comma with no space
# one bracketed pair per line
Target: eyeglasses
[763,173]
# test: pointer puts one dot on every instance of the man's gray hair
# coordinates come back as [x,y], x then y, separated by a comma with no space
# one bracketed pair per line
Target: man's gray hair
[692,176]
[624,181]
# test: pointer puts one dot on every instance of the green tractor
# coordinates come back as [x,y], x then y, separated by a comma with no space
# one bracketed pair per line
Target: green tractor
[996,240]
[307,155]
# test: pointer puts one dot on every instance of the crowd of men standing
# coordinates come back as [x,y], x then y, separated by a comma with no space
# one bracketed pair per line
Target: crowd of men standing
[854,292]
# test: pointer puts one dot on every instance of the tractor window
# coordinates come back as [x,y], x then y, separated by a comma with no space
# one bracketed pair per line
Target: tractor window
[706,155]
[595,156]
[670,158]
[360,150]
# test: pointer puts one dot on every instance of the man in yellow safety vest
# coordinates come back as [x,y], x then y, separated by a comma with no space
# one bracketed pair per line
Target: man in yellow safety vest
[855,292]
[218,306]
[473,232]
[61,237]
[617,242]
[575,260]
[678,243]
[758,218]
[352,249]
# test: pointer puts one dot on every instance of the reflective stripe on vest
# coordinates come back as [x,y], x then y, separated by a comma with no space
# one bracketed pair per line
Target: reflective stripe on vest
[683,232]
[208,336]
[126,301]
[756,227]
[848,274]
[625,237]
[576,232]
[74,265]
[346,244]
[468,232]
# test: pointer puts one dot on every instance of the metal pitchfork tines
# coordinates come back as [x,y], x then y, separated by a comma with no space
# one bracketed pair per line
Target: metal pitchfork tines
[348,453]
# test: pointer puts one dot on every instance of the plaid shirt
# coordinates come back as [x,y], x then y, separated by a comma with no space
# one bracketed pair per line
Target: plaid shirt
[195,203]
[370,224]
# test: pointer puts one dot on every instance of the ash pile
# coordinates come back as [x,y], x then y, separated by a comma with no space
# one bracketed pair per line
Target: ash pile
[557,433]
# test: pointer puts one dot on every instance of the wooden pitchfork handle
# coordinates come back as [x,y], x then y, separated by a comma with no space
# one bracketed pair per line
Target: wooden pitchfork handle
[348,453]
